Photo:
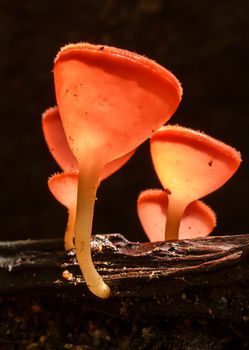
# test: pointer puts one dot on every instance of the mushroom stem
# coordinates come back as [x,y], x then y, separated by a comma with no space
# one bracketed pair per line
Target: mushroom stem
[87,188]
[69,234]
[174,215]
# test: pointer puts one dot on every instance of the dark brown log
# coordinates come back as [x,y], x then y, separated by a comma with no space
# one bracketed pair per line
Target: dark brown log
[200,280]
[134,270]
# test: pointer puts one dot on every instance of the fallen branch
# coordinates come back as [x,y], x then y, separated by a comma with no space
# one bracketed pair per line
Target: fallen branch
[158,290]
[198,272]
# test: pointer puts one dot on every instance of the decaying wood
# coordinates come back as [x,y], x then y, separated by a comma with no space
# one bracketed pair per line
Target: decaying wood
[208,276]
[185,295]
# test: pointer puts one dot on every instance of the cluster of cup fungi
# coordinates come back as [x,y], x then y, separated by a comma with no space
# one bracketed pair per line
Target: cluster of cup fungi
[109,101]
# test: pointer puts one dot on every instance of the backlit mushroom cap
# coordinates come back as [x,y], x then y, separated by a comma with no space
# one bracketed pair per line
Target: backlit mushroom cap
[56,140]
[55,137]
[190,163]
[111,100]
[64,186]
[198,219]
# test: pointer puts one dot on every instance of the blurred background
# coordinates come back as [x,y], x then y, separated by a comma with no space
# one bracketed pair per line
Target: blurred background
[204,43]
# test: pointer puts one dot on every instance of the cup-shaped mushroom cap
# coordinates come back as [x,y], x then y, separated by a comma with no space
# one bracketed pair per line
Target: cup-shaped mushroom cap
[191,164]
[55,138]
[111,100]
[64,186]
[198,219]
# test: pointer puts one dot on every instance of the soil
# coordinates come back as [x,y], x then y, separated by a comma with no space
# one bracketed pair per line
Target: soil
[58,323]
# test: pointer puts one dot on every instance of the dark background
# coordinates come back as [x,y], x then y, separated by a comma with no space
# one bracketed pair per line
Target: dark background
[204,43]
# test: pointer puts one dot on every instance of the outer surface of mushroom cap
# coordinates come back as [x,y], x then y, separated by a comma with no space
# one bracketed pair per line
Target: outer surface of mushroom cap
[198,219]
[55,137]
[113,97]
[190,163]
[57,143]
[64,188]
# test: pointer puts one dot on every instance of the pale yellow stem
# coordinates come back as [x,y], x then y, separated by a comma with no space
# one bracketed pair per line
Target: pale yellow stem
[69,234]
[174,215]
[87,188]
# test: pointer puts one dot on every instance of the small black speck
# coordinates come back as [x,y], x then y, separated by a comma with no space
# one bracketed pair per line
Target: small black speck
[101,48]
[210,163]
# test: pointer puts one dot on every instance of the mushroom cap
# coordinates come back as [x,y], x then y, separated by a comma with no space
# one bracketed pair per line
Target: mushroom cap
[57,143]
[191,164]
[64,187]
[56,140]
[111,100]
[198,219]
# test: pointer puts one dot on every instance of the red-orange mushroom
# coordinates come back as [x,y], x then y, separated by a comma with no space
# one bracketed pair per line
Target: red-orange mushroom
[198,219]
[110,101]
[64,186]
[189,165]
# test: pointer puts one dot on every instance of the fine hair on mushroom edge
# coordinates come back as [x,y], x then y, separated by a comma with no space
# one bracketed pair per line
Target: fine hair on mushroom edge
[110,101]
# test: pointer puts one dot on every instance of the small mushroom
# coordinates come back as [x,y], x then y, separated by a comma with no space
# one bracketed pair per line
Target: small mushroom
[190,165]
[64,186]
[110,101]
[198,219]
